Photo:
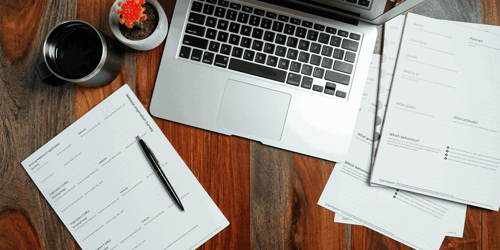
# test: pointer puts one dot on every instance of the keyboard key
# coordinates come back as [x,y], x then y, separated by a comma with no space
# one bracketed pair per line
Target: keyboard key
[214,46]
[259,12]
[208,57]
[234,39]
[350,57]
[235,6]
[254,20]
[280,51]
[222,25]
[269,48]
[315,60]
[338,54]
[247,9]
[223,3]
[245,42]
[293,79]
[197,18]
[292,54]
[350,45]
[324,38]
[340,94]
[243,17]
[237,52]
[304,45]
[306,82]
[257,70]
[196,55]
[295,21]
[257,45]
[335,41]
[197,6]
[231,15]
[327,63]
[330,85]
[327,51]
[307,70]
[278,26]
[301,32]
[329,91]
[269,36]
[266,23]
[355,36]
[343,33]
[312,35]
[260,58]
[212,1]
[211,33]
[234,27]
[195,30]
[221,61]
[246,30]
[319,27]
[292,42]
[222,36]
[337,77]
[331,30]
[364,3]
[318,88]
[208,9]
[211,22]
[318,72]
[185,51]
[280,39]
[307,24]
[343,67]
[283,18]
[220,12]
[283,64]
[304,57]
[289,29]
[295,66]
[225,49]
[257,33]
[315,48]
[248,55]
[271,15]
[272,61]
[195,42]
[352,1]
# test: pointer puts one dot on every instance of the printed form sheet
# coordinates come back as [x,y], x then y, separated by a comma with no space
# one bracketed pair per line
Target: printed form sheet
[441,132]
[97,179]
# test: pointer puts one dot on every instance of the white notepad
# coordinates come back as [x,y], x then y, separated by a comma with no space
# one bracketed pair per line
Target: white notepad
[97,179]
[442,127]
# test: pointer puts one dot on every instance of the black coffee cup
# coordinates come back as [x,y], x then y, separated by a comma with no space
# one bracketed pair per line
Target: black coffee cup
[74,51]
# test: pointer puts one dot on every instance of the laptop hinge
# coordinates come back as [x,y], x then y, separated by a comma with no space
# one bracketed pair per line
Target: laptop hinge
[317,11]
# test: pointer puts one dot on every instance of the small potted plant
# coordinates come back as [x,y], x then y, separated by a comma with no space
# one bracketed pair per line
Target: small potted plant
[139,24]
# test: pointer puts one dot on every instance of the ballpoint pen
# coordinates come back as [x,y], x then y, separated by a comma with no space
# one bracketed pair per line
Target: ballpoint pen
[156,167]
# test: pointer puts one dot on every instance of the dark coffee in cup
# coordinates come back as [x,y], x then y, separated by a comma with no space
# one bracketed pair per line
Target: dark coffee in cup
[74,51]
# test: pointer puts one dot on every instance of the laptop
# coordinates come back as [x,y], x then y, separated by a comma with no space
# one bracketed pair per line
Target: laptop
[286,73]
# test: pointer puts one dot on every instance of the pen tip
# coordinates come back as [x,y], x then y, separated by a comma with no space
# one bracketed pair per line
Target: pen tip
[138,138]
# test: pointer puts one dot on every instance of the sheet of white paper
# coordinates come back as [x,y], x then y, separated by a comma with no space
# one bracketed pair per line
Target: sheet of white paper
[372,78]
[418,221]
[447,141]
[97,179]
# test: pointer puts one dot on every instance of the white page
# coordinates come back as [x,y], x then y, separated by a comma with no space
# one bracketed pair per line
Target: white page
[372,78]
[418,221]
[444,97]
[97,179]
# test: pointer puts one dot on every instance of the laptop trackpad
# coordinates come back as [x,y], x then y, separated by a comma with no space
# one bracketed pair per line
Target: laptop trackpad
[253,110]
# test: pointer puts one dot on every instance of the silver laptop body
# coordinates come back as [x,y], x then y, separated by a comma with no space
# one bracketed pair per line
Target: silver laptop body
[218,85]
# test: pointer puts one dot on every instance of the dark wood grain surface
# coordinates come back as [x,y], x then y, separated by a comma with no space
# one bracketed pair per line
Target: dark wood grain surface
[268,195]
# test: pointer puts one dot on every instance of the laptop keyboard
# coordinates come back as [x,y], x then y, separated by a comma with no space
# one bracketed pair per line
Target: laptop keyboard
[307,55]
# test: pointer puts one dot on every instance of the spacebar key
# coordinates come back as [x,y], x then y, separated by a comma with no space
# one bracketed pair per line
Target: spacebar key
[257,70]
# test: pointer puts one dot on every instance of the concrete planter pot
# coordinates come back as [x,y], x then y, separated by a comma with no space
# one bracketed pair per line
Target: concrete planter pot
[149,42]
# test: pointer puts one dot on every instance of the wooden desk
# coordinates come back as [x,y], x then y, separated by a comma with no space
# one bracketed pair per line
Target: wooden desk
[268,195]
